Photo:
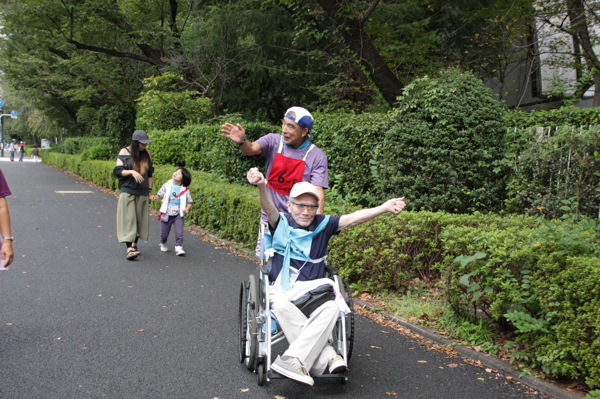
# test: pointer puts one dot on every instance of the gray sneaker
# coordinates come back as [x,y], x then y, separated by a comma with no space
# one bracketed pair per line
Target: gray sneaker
[293,369]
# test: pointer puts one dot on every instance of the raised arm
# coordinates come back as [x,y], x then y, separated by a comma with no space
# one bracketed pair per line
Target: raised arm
[237,134]
[266,203]
[395,206]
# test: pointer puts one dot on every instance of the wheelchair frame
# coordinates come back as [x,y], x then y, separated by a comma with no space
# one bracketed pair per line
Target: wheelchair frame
[256,343]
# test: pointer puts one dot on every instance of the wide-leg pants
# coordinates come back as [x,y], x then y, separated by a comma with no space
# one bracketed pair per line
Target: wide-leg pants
[132,217]
[307,336]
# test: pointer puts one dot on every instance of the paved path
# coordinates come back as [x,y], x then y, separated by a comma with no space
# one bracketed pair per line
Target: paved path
[77,320]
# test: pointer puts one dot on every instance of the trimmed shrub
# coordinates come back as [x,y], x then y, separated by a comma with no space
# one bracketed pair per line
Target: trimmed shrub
[444,149]
[568,343]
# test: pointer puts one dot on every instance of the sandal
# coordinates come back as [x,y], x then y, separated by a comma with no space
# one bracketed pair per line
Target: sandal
[132,253]
[137,250]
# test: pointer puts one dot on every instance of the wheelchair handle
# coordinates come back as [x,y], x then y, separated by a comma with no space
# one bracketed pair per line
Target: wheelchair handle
[331,270]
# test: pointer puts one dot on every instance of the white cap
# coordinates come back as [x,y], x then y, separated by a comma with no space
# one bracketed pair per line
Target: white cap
[301,116]
[304,187]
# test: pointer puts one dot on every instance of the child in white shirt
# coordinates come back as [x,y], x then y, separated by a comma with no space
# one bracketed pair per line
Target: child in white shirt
[176,203]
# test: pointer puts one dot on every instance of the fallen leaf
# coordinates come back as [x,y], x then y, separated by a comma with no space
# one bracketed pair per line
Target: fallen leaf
[58,338]
[244,389]
[140,330]
[279,397]
[477,348]
[422,361]
[452,365]
[391,393]
[489,370]
[375,347]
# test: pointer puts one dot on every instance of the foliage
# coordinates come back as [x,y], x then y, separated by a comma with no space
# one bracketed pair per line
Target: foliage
[101,152]
[162,106]
[350,141]
[201,147]
[444,149]
[115,123]
[568,115]
[546,169]
[77,145]
[569,295]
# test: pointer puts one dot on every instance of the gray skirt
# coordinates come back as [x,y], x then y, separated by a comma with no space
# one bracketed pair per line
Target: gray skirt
[132,217]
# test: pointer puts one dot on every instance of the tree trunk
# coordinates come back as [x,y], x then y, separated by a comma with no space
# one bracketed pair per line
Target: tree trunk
[360,43]
[579,25]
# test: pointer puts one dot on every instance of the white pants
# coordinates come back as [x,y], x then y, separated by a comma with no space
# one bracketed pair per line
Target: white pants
[307,336]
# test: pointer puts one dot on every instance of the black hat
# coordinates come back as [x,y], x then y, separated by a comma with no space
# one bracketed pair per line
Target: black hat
[141,136]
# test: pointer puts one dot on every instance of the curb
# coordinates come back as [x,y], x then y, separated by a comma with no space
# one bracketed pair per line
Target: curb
[488,360]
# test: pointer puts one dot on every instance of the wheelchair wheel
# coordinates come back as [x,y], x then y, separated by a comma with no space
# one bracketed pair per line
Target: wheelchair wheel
[349,320]
[252,307]
[242,322]
[260,374]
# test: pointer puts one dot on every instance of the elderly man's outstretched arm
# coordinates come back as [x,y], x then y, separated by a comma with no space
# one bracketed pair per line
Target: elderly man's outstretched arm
[395,206]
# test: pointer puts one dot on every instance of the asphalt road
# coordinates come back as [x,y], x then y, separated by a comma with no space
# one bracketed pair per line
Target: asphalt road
[77,320]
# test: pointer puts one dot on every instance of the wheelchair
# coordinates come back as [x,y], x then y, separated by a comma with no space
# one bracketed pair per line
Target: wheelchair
[257,340]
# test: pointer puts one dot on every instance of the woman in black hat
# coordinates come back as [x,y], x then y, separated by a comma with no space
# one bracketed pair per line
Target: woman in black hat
[134,170]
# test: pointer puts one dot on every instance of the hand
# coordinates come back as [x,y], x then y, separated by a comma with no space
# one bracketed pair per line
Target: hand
[395,205]
[153,197]
[138,178]
[235,133]
[255,177]
[7,253]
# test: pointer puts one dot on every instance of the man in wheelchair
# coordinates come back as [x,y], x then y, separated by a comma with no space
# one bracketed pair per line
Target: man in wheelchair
[299,249]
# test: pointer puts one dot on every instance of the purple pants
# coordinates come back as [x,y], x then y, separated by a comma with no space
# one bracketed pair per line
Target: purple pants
[165,229]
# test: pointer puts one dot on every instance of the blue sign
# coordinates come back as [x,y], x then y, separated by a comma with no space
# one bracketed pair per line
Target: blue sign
[13,114]
[1,103]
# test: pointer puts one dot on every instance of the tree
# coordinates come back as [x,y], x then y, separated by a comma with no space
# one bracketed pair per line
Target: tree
[572,38]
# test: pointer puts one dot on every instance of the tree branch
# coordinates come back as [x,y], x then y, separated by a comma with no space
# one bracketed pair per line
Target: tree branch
[114,53]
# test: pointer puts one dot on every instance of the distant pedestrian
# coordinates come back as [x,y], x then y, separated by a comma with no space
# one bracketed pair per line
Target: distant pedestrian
[176,203]
[21,151]
[6,238]
[11,151]
[35,154]
[134,170]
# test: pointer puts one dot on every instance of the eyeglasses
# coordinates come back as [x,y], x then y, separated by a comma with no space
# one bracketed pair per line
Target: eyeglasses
[301,207]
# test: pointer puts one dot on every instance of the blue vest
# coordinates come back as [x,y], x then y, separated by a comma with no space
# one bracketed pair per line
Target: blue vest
[292,243]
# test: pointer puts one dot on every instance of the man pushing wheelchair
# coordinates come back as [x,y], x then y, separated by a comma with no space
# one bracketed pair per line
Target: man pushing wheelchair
[297,268]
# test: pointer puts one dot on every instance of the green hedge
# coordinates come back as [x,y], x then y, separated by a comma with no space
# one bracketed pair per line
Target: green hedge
[568,115]
[201,147]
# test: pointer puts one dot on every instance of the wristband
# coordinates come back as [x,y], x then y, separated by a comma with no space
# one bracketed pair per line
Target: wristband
[242,143]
